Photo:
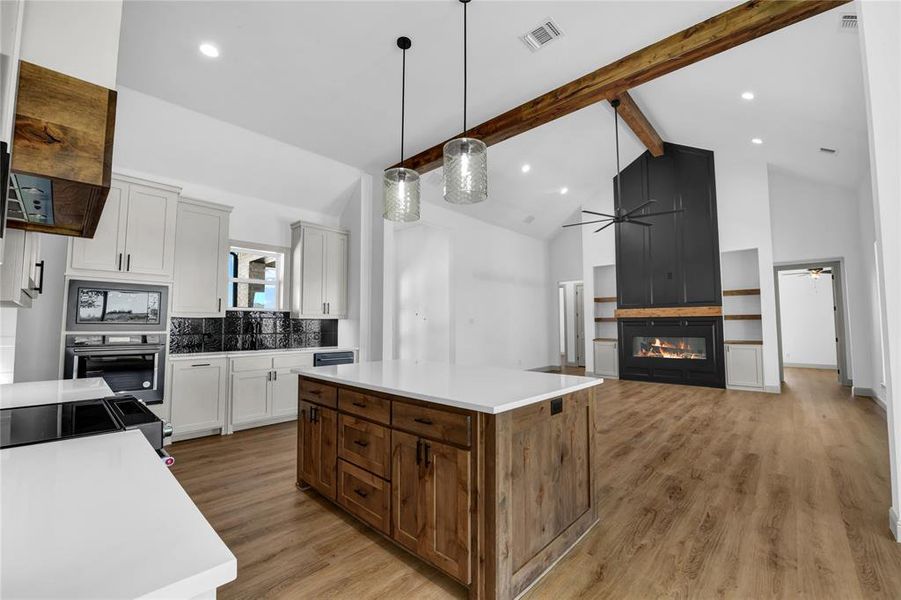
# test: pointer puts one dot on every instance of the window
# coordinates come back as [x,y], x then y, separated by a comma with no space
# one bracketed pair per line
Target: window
[256,278]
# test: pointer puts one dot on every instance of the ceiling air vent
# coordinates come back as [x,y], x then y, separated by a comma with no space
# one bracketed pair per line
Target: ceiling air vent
[848,23]
[542,35]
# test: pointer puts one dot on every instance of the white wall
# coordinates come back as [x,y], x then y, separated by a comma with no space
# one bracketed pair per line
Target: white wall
[881,49]
[808,323]
[7,343]
[80,39]
[499,292]
[814,221]
[565,257]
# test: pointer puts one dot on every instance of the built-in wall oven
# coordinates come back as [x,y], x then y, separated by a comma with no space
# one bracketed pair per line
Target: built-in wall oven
[116,330]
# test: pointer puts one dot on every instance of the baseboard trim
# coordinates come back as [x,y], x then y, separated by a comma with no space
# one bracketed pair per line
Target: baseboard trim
[773,389]
[894,523]
[870,393]
[810,366]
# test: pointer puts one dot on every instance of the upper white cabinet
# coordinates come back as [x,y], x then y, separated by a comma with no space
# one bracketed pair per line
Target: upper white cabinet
[21,275]
[135,238]
[319,271]
[201,254]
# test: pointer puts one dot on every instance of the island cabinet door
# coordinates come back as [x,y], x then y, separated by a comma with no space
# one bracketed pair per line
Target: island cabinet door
[448,521]
[317,448]
[408,492]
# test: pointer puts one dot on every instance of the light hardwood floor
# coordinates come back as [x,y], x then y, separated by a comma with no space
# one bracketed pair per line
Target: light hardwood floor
[706,494]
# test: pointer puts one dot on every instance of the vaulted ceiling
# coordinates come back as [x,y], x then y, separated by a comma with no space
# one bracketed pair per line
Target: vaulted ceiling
[325,76]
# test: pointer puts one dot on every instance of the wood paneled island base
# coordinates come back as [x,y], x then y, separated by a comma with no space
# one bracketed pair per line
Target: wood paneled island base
[493,500]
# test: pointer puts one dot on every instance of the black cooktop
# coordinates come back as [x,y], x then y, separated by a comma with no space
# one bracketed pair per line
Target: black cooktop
[48,422]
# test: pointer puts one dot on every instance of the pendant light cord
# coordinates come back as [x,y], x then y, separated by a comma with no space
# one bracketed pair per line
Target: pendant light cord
[464,69]
[403,94]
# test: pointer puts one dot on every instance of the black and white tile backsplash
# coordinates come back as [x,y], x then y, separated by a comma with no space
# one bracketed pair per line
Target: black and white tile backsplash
[249,330]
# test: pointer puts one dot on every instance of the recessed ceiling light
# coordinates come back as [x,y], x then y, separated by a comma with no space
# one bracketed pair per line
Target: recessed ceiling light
[526,168]
[757,141]
[210,50]
[564,190]
[747,95]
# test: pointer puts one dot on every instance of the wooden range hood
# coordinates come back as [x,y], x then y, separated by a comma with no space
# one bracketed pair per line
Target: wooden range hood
[62,147]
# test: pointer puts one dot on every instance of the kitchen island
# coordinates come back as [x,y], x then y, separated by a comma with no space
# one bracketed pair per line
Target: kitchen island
[485,473]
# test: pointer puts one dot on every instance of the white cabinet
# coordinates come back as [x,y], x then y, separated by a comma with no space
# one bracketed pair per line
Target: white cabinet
[744,366]
[135,237]
[201,254]
[197,395]
[606,358]
[263,389]
[21,275]
[319,271]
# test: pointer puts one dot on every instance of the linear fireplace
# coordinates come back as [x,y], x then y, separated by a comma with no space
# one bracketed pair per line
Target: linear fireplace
[675,350]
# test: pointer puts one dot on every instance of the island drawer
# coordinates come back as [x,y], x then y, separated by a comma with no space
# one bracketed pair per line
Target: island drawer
[320,393]
[363,405]
[365,444]
[433,423]
[364,495]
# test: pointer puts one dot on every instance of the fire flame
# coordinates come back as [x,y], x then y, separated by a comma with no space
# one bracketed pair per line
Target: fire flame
[664,349]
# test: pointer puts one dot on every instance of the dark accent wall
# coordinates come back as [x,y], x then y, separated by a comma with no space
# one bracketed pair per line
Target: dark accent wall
[249,330]
[676,261]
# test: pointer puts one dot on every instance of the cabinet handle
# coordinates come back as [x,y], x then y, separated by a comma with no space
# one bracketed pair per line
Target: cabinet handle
[418,451]
[316,392]
[40,288]
[275,375]
[328,308]
[128,263]
[313,416]
[360,493]
[423,421]
[360,404]
[361,443]
[201,365]
[219,306]
[428,448]
[120,262]
[323,308]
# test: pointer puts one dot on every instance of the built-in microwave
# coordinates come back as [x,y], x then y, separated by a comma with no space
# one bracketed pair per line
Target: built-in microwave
[101,307]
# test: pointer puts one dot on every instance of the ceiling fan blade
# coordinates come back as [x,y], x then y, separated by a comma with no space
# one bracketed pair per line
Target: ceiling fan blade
[605,226]
[665,212]
[587,222]
[638,208]
[600,214]
[642,223]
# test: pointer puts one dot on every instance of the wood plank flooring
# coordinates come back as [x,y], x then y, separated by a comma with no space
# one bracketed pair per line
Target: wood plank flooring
[705,494]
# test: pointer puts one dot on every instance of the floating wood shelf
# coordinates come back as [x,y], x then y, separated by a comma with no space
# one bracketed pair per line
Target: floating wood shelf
[676,311]
[745,342]
[605,339]
[742,317]
[746,292]
[601,299]
[605,319]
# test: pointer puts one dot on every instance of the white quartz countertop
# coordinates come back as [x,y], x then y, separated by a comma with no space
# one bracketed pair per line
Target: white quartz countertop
[240,353]
[102,517]
[490,390]
[55,391]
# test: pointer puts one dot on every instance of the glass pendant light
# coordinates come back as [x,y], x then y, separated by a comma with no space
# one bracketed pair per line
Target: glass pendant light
[465,158]
[402,185]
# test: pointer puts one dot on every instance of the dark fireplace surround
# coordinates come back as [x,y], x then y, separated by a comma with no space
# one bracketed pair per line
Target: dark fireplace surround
[670,267]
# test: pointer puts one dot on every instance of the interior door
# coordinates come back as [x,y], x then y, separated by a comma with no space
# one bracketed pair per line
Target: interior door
[447,489]
[580,326]
[336,274]
[105,251]
[408,491]
[313,286]
[149,231]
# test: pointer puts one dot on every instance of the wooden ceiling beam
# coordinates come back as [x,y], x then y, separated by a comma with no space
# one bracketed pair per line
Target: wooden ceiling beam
[719,33]
[639,124]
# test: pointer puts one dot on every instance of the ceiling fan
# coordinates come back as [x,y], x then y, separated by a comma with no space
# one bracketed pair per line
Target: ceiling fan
[813,272]
[621,215]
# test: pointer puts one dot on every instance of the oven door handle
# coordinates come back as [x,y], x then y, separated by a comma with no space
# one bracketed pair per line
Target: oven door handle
[121,350]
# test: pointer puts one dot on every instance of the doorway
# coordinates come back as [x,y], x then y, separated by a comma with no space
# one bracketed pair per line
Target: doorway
[571,321]
[811,317]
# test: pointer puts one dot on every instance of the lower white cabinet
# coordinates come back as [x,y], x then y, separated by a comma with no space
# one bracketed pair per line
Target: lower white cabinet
[197,395]
[606,358]
[263,389]
[744,366]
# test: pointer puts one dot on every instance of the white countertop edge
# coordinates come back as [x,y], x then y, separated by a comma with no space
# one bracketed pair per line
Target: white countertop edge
[198,584]
[53,391]
[493,410]
[242,353]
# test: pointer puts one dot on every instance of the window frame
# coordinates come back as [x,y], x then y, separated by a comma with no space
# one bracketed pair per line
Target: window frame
[279,254]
